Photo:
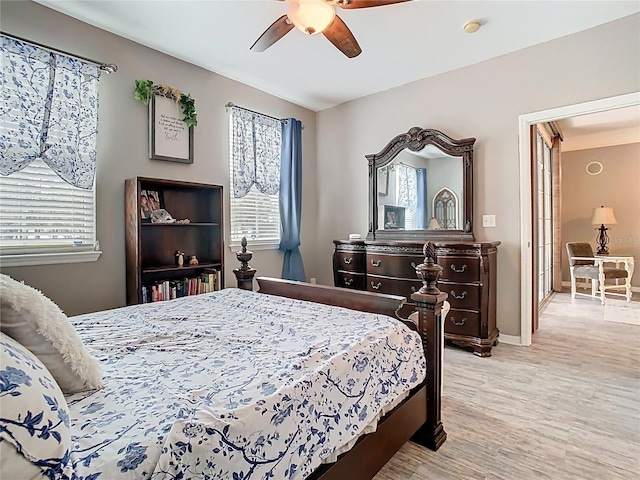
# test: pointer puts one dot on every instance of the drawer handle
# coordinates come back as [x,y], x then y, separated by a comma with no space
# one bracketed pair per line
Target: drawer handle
[348,261]
[459,297]
[348,281]
[413,264]
[376,286]
[464,267]
[376,263]
[413,289]
[461,322]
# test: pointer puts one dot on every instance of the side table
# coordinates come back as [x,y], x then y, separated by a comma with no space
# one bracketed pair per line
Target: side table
[628,262]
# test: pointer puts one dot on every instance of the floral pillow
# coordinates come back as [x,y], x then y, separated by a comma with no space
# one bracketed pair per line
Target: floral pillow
[34,416]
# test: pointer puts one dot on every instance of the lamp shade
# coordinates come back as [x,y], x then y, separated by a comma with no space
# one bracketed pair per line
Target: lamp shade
[311,16]
[433,224]
[603,216]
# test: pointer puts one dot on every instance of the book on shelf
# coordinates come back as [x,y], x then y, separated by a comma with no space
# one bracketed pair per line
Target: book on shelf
[208,281]
[214,276]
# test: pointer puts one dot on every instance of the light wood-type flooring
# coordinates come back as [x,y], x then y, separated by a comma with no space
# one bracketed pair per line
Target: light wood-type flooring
[568,407]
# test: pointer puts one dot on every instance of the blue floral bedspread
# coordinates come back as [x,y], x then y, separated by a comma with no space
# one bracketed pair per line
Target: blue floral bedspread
[234,385]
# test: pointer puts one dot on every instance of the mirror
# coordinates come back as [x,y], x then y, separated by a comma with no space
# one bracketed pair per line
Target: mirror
[420,187]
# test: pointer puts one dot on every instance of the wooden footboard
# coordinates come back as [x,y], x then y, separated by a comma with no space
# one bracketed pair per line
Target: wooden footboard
[417,417]
[339,297]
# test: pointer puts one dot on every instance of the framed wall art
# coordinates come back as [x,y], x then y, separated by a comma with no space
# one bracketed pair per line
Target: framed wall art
[170,138]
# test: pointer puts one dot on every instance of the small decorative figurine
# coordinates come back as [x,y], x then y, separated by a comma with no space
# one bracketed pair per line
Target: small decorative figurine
[193,261]
[180,256]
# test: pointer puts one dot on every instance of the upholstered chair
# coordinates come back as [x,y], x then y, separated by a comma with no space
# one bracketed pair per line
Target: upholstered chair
[598,270]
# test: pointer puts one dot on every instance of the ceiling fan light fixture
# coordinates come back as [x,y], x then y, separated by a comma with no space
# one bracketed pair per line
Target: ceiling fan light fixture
[311,16]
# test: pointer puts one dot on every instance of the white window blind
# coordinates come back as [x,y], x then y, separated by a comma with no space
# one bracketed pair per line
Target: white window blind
[409,219]
[255,216]
[42,213]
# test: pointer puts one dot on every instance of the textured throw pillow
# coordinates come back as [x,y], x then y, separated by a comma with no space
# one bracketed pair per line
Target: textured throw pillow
[34,417]
[33,320]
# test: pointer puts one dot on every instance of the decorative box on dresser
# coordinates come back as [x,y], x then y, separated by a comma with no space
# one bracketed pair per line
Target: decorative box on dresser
[468,277]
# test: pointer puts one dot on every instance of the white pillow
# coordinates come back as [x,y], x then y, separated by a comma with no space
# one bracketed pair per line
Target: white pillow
[34,418]
[34,321]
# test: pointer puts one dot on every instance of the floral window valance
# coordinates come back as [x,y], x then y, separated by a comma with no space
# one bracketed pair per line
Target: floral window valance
[256,150]
[48,110]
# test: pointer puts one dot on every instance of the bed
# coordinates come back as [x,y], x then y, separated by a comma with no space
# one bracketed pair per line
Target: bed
[238,384]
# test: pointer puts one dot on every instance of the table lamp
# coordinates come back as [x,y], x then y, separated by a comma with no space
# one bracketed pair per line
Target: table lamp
[603,215]
[433,224]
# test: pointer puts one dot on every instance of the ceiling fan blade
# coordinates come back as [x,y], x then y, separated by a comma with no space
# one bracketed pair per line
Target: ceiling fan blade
[271,35]
[339,34]
[366,3]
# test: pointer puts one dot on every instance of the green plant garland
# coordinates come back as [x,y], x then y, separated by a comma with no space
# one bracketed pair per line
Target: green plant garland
[146,88]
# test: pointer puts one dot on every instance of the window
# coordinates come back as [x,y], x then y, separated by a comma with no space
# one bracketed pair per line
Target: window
[255,149]
[48,130]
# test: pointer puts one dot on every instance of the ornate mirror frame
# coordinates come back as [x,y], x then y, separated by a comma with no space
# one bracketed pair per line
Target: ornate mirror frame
[416,139]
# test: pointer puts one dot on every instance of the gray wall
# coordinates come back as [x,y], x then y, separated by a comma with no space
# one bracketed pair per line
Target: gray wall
[122,151]
[482,101]
[617,186]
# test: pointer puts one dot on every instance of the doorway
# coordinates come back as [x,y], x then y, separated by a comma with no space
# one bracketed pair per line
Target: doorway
[527,267]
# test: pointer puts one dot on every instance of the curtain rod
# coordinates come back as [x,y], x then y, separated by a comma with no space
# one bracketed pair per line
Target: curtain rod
[105,67]
[232,105]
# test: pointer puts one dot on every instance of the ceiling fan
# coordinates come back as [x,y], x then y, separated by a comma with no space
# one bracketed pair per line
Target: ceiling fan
[318,16]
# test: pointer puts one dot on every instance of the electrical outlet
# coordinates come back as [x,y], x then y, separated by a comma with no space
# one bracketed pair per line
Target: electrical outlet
[313,279]
[488,220]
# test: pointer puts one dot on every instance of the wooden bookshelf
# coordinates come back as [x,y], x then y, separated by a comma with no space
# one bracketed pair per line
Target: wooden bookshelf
[151,247]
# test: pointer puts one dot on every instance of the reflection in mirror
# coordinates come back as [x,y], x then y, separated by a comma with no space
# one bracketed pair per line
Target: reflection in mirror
[421,190]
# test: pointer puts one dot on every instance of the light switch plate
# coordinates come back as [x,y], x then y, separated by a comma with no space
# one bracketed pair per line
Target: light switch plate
[488,220]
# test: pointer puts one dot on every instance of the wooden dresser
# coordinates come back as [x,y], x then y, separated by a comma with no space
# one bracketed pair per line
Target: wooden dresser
[468,277]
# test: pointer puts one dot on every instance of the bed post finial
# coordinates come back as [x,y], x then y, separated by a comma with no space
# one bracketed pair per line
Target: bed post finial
[429,300]
[244,274]
[429,271]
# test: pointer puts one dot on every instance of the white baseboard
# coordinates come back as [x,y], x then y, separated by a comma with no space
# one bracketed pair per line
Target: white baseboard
[510,339]
[568,284]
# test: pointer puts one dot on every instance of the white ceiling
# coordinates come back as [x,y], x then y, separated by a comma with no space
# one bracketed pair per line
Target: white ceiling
[401,43]
[602,129]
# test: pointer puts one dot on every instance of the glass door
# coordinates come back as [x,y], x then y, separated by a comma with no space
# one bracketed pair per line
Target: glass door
[544,217]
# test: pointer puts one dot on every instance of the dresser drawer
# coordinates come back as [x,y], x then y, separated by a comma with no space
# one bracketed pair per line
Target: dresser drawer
[462,322]
[399,266]
[460,269]
[462,295]
[393,286]
[349,261]
[350,280]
